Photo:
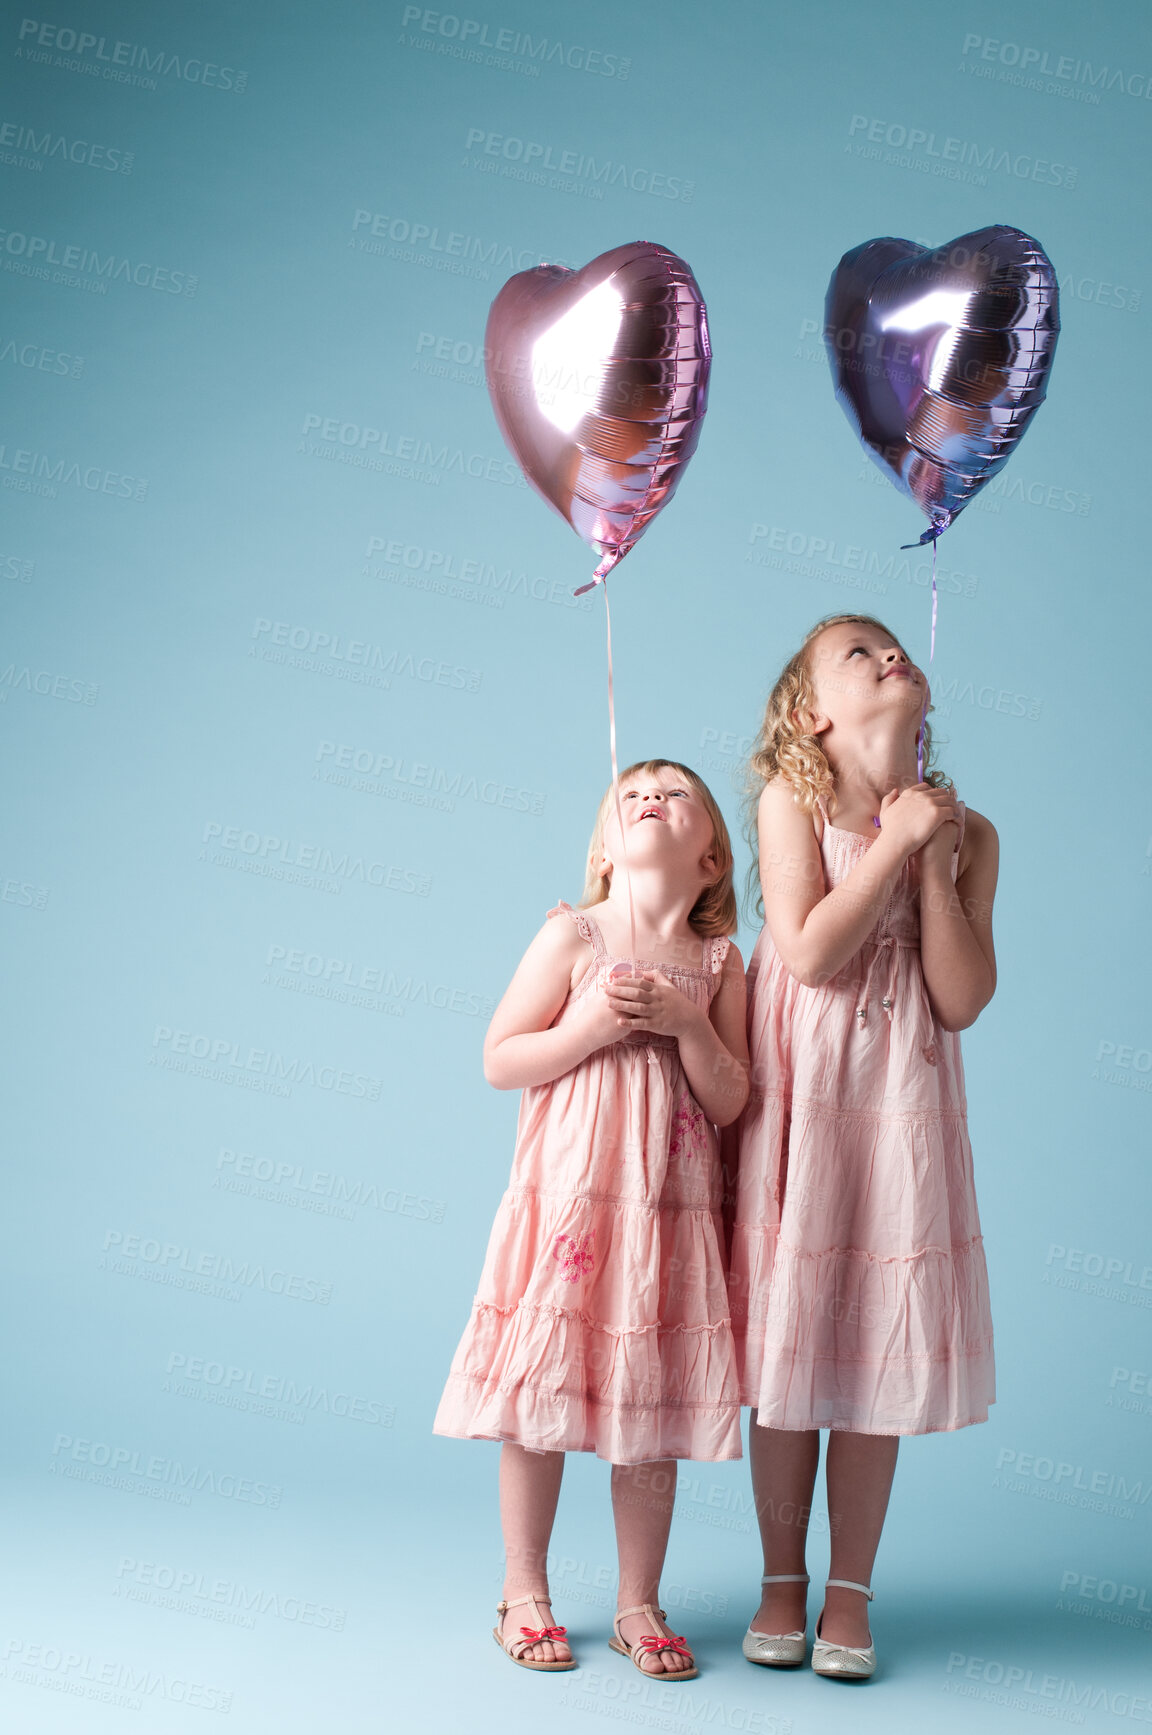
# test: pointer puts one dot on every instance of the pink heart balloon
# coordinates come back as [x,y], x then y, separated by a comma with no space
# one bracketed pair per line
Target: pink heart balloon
[599,380]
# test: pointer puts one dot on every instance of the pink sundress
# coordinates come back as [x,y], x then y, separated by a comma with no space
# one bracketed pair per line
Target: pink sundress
[858,1285]
[601,1321]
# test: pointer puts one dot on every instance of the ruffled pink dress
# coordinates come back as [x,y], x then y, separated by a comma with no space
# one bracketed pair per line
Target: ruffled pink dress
[601,1322]
[858,1284]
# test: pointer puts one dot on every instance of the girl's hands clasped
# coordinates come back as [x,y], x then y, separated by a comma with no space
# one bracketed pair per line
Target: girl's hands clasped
[913,815]
[649,1001]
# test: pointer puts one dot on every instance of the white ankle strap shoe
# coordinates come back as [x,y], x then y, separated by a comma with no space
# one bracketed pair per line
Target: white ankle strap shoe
[777,1650]
[843,1662]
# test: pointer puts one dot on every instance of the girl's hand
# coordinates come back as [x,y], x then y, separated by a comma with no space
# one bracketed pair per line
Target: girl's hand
[936,855]
[601,1022]
[909,818]
[652,1002]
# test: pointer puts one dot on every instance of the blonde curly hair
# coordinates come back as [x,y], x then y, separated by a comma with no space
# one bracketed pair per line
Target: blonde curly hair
[785,748]
[715,912]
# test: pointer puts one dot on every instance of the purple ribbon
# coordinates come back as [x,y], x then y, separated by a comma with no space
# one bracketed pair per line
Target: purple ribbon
[932,535]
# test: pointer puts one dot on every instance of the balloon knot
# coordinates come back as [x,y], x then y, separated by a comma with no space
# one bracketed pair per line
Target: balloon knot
[601,572]
[932,534]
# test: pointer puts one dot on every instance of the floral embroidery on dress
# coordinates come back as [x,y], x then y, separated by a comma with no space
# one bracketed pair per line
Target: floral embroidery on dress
[574,1253]
[688,1129]
[930,1053]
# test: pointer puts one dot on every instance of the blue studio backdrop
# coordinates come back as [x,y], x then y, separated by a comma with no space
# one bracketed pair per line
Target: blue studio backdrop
[304,732]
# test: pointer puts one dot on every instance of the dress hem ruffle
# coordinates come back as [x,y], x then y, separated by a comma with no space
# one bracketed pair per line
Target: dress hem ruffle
[474,1409]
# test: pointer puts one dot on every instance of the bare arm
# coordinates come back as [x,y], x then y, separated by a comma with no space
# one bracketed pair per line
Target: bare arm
[817,931]
[715,1055]
[521,1048]
[956,948]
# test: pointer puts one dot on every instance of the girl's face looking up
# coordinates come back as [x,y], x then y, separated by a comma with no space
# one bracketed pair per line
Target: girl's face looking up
[663,816]
[859,673]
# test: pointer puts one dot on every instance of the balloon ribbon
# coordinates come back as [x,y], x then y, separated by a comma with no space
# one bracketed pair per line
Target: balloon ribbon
[603,579]
[932,536]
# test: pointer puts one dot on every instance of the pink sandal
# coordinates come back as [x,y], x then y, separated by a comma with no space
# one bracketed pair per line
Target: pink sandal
[515,1648]
[651,1644]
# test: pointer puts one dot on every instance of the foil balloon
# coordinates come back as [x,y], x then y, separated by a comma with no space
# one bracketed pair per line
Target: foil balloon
[599,380]
[940,358]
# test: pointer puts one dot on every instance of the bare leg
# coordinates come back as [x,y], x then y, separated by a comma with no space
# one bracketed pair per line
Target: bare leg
[783,1477]
[529,1490]
[860,1468]
[643,1496]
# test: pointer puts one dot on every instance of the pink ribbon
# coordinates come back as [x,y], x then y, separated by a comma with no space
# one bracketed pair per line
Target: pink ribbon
[610,560]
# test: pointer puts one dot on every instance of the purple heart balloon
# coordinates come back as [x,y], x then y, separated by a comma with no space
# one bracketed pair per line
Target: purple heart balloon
[599,380]
[940,358]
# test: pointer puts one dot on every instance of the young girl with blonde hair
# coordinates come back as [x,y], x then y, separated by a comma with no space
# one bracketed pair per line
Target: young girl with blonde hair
[601,1322]
[859,1290]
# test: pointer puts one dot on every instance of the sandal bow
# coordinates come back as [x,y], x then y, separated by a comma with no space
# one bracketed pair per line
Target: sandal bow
[651,1643]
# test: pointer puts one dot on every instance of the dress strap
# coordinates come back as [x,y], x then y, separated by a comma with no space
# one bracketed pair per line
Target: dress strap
[586,927]
[717,951]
